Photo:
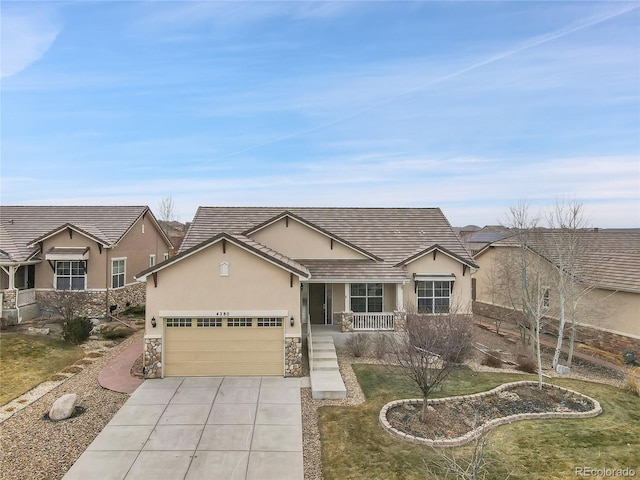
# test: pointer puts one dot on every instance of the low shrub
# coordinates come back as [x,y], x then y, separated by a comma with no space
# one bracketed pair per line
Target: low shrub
[72,369]
[629,357]
[380,345]
[77,330]
[357,344]
[527,364]
[632,384]
[117,333]
[492,359]
[57,377]
[135,310]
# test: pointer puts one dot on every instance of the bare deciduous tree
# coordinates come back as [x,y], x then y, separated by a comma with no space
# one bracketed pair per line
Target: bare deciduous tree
[69,304]
[533,271]
[430,347]
[167,212]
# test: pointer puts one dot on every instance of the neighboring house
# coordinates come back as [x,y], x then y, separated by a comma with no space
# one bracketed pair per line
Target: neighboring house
[175,231]
[476,238]
[609,262]
[97,250]
[234,299]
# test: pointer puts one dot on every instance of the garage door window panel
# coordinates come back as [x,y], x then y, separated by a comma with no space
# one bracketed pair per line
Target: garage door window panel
[269,322]
[179,322]
[240,322]
[209,322]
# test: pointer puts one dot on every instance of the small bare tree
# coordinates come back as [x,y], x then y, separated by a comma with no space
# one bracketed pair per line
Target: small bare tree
[430,347]
[69,304]
[167,212]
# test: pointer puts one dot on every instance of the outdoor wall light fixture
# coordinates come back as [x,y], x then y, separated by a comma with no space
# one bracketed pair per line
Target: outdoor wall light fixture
[291,320]
[153,322]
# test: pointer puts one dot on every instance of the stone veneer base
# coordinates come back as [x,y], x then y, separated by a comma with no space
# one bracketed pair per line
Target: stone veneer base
[152,361]
[293,357]
[464,439]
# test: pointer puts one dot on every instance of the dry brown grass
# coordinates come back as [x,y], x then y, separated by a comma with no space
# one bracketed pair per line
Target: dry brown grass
[28,360]
[632,384]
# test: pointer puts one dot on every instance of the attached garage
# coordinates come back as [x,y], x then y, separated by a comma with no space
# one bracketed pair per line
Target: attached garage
[213,346]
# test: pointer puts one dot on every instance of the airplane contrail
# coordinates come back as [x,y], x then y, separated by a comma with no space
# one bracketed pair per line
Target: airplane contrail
[531,43]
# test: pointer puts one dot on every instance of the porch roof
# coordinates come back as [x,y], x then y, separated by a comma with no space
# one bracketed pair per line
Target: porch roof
[349,271]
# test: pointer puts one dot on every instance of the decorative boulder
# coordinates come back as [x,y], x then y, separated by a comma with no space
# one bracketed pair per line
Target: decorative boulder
[562,370]
[63,407]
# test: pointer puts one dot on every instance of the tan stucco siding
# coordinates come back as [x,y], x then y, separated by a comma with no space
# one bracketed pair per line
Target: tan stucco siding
[338,297]
[299,241]
[194,284]
[614,311]
[442,264]
[96,264]
[137,247]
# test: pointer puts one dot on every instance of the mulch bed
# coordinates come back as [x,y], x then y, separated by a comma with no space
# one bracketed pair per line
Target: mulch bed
[457,417]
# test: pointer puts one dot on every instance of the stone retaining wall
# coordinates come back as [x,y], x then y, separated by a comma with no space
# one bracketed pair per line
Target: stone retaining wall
[134,294]
[152,361]
[468,437]
[293,356]
[610,342]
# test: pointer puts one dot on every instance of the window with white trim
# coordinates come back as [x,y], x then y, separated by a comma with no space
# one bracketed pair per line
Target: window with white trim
[165,256]
[70,275]
[366,297]
[208,322]
[239,322]
[152,260]
[118,272]
[179,322]
[433,296]
[269,322]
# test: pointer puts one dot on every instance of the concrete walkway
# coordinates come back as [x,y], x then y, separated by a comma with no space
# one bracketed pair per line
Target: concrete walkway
[116,375]
[231,428]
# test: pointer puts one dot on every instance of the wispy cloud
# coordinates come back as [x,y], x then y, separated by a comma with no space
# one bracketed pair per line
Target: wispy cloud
[26,36]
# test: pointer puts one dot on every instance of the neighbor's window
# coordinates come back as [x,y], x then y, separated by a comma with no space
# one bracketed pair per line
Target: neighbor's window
[152,260]
[366,297]
[434,297]
[117,272]
[70,275]
[165,256]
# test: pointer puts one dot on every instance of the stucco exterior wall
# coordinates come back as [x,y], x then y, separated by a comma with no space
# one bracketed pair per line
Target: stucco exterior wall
[618,312]
[137,246]
[195,284]
[96,264]
[299,241]
[442,264]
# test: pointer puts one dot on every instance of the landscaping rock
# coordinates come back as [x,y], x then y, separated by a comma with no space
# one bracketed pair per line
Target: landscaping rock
[562,370]
[39,331]
[63,407]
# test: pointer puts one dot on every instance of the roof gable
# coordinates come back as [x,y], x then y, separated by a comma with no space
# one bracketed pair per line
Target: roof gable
[89,231]
[435,248]
[287,217]
[240,241]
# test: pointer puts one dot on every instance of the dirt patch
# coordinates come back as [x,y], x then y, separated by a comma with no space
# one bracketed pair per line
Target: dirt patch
[455,418]
[137,368]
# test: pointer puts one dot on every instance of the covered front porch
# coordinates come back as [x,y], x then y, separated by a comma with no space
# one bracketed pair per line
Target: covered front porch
[353,306]
[18,293]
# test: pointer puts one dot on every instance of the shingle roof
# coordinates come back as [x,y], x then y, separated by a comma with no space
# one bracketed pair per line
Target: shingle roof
[610,258]
[345,270]
[21,225]
[390,234]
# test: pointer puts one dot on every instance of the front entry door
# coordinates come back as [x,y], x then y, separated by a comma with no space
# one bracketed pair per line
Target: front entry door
[317,303]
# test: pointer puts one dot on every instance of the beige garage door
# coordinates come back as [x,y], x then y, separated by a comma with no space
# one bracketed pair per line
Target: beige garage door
[223,346]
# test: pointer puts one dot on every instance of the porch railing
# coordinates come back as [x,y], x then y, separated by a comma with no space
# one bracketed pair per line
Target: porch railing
[25,297]
[373,321]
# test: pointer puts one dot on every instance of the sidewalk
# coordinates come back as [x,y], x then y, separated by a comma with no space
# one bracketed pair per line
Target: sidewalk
[116,375]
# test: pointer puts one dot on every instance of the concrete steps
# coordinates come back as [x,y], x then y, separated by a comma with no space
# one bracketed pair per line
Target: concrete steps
[326,381]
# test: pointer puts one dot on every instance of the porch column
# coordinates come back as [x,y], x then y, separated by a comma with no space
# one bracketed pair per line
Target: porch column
[399,297]
[347,299]
[12,277]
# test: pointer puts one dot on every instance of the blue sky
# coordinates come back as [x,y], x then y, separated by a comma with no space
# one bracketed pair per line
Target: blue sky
[469,106]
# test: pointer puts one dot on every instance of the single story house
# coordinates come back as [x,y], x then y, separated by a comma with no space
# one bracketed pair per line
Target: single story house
[92,249]
[609,307]
[234,300]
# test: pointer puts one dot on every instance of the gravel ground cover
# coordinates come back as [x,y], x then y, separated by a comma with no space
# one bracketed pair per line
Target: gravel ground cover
[34,448]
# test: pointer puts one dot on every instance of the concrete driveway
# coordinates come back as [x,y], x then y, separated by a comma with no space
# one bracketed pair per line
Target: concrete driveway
[201,428]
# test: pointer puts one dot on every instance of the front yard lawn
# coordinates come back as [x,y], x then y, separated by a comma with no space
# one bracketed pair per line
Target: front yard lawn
[28,360]
[354,445]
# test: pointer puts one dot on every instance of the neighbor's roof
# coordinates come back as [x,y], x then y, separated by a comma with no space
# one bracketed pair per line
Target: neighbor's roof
[610,258]
[22,226]
[391,235]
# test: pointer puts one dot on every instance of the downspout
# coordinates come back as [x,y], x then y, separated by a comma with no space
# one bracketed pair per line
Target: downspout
[106,272]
